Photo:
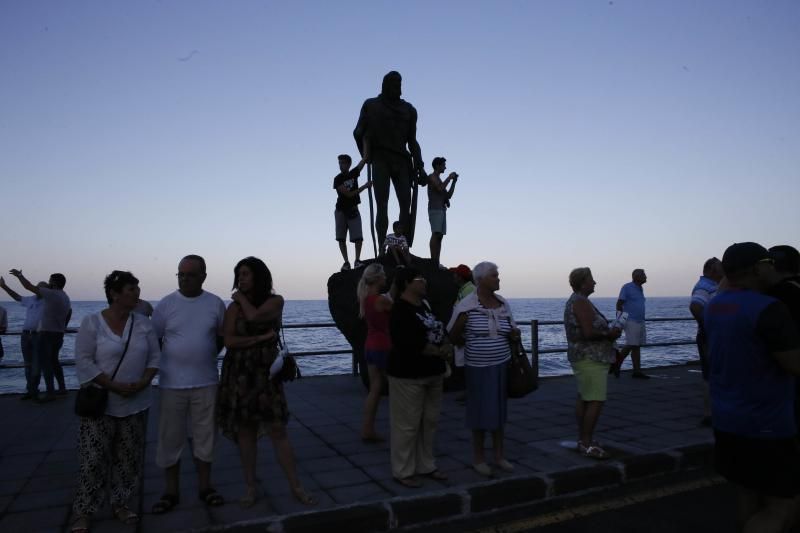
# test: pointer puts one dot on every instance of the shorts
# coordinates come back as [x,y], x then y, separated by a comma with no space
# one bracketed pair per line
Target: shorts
[181,408]
[635,333]
[592,377]
[767,466]
[438,219]
[345,225]
[377,358]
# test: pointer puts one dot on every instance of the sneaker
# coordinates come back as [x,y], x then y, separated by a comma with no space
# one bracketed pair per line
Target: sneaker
[345,266]
[640,375]
[358,264]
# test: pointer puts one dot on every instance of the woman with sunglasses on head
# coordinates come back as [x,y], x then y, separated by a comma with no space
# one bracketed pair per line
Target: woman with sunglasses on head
[116,350]
[416,369]
[249,403]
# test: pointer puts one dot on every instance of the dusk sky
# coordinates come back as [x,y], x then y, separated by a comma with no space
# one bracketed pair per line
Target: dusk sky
[605,134]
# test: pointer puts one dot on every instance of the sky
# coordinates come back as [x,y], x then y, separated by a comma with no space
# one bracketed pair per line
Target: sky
[610,134]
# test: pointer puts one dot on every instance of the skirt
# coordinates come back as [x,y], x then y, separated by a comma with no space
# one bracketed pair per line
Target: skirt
[486,396]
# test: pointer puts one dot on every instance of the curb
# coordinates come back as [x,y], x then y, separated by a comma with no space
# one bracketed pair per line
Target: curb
[482,498]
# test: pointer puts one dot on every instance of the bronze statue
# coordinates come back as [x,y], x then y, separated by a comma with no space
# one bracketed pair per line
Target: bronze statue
[387,124]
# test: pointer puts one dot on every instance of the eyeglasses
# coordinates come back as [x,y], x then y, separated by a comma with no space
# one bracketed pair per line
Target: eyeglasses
[420,279]
[189,275]
[768,260]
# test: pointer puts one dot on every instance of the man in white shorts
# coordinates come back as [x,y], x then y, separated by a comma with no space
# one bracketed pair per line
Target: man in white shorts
[189,324]
[631,300]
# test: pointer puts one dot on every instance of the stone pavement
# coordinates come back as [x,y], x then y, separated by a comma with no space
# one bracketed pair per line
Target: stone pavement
[650,426]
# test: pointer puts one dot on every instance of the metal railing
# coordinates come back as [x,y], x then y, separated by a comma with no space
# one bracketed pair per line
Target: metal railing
[536,350]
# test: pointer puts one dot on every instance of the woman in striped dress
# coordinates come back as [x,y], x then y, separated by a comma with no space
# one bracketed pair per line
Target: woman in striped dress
[483,323]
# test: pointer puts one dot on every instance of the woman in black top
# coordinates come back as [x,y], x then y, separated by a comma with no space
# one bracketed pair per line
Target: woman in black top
[416,368]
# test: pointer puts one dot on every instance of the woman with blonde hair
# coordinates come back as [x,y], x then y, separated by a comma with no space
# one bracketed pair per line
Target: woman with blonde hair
[375,309]
[590,350]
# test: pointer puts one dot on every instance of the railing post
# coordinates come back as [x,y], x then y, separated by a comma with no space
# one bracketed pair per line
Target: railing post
[534,340]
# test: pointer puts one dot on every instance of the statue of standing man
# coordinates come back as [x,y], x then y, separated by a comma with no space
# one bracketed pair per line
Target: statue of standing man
[387,124]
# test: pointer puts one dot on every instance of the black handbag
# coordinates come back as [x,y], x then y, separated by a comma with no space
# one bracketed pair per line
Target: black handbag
[289,371]
[91,401]
[523,376]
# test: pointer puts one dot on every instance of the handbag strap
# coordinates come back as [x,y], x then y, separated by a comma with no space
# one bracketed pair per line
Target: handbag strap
[125,350]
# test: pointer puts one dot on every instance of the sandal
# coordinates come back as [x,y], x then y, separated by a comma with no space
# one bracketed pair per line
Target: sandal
[165,503]
[80,524]
[211,497]
[437,475]
[595,452]
[304,497]
[411,482]
[125,515]
[249,498]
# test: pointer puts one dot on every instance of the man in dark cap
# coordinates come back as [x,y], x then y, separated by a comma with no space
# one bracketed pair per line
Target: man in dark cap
[754,353]
[387,124]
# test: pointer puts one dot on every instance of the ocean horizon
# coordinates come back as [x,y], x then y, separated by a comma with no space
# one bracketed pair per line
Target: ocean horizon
[320,339]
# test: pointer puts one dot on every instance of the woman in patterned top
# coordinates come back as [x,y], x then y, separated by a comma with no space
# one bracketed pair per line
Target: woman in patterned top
[483,323]
[590,350]
[416,368]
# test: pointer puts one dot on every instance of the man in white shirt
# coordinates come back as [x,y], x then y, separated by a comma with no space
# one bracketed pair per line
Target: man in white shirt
[189,324]
[56,312]
[33,314]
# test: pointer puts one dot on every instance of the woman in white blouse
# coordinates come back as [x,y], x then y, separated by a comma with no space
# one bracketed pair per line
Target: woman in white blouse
[482,322]
[114,442]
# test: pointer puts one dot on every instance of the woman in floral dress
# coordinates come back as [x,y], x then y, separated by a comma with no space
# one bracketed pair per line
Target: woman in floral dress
[249,403]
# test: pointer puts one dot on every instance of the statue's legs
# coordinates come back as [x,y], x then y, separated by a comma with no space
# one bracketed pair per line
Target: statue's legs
[394,167]
[381,170]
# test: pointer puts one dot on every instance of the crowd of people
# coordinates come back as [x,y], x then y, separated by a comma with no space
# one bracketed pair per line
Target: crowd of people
[747,308]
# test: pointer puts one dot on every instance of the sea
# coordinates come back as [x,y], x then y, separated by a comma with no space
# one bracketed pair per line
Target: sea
[319,339]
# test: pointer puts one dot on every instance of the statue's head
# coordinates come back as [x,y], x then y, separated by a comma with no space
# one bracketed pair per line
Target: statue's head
[391,87]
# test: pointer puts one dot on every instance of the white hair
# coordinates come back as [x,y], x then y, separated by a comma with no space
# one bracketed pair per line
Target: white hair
[482,269]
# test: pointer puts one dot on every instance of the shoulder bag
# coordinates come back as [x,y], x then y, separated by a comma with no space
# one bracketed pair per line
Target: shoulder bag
[284,368]
[523,376]
[91,401]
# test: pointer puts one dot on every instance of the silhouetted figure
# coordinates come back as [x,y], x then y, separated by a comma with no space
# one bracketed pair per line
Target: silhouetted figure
[387,124]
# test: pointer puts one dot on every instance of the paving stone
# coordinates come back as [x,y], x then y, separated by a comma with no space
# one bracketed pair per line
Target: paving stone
[506,493]
[584,478]
[638,466]
[426,508]
[365,492]
[27,501]
[352,519]
[339,478]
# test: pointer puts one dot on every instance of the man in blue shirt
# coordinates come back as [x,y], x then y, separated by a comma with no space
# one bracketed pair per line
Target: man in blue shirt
[631,300]
[754,352]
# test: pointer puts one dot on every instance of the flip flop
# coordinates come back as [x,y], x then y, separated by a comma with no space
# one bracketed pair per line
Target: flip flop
[437,475]
[165,503]
[410,482]
[304,497]
[211,497]
[125,515]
